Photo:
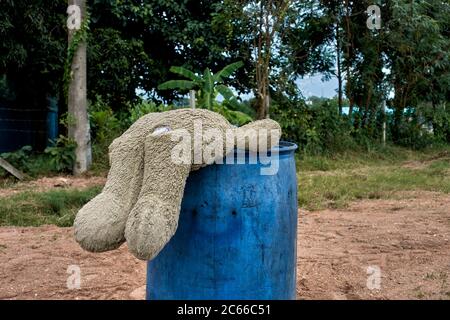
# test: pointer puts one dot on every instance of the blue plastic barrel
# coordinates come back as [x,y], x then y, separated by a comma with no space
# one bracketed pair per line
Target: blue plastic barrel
[52,121]
[236,237]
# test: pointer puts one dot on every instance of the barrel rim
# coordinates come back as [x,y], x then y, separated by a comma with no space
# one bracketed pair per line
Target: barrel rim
[285,146]
[282,147]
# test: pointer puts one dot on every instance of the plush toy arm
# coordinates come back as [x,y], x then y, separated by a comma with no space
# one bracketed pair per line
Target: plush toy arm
[259,135]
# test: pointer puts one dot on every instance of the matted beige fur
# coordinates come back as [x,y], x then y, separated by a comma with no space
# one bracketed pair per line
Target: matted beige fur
[141,200]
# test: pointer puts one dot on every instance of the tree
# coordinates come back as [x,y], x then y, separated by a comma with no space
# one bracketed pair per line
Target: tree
[32,51]
[269,17]
[418,55]
[312,42]
[78,124]
[257,25]
[146,38]
[131,46]
[33,48]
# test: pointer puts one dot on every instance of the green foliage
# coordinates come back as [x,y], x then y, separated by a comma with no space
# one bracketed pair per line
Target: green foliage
[418,54]
[19,158]
[105,127]
[144,107]
[114,63]
[103,122]
[33,47]
[132,44]
[67,120]
[207,86]
[235,117]
[62,154]
[29,162]
[58,158]
[317,127]
[177,84]
[6,94]
[56,207]
[292,117]
[439,117]
[307,41]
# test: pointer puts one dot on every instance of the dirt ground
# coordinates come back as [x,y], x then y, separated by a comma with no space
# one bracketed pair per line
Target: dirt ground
[52,183]
[340,255]
[407,241]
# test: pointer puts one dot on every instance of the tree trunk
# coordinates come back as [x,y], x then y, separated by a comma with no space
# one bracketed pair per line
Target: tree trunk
[269,19]
[383,108]
[339,71]
[78,123]
[348,59]
[398,113]
[262,111]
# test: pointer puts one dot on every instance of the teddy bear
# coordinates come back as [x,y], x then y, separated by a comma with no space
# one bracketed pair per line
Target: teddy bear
[149,164]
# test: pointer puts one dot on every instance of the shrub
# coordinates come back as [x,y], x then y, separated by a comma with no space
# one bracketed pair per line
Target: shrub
[62,154]
[19,158]
[293,117]
[54,159]
[233,112]
[144,107]
[105,127]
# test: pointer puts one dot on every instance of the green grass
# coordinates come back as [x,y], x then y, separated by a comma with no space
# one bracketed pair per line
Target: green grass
[389,155]
[38,208]
[324,182]
[334,182]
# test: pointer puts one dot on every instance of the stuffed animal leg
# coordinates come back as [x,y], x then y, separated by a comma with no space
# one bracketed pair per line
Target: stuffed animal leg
[100,225]
[154,218]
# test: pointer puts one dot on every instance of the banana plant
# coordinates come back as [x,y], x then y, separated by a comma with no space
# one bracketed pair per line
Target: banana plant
[207,85]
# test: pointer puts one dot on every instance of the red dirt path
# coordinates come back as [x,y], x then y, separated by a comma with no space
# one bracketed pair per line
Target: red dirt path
[409,240]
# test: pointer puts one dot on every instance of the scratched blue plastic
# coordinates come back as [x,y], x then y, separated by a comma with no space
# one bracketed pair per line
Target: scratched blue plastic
[236,237]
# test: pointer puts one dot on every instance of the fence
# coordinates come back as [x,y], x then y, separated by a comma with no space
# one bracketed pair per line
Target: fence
[21,126]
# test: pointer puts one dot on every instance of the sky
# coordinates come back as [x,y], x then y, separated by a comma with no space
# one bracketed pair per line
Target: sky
[314,86]
[309,86]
